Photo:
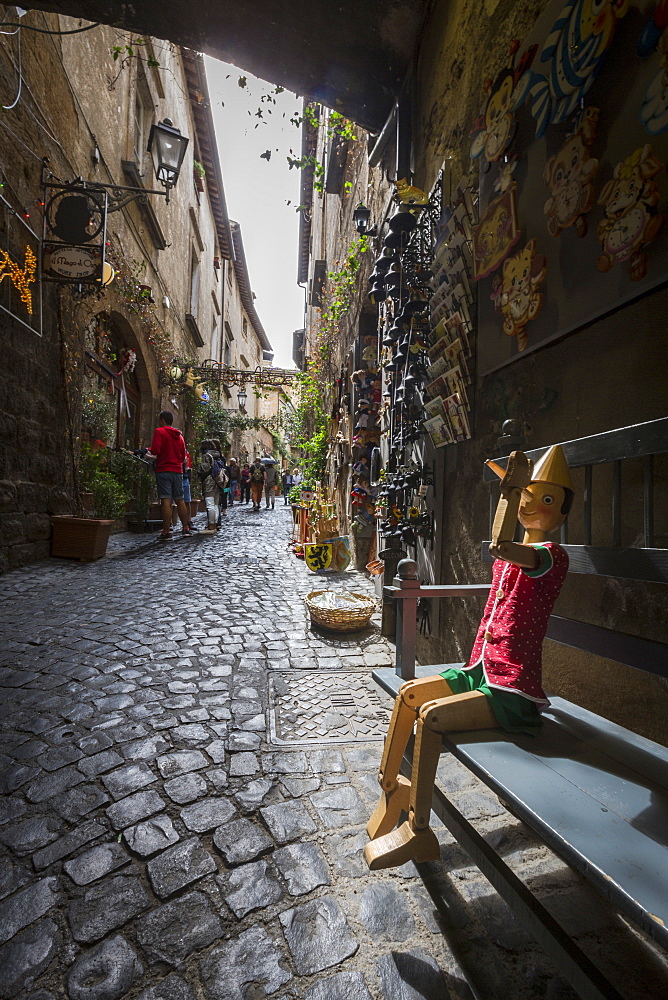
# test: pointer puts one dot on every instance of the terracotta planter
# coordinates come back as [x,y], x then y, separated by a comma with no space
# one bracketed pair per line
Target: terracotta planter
[155,513]
[202,506]
[79,537]
[194,508]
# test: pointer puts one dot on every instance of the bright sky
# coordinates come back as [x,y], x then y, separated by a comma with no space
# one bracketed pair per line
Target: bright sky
[258,191]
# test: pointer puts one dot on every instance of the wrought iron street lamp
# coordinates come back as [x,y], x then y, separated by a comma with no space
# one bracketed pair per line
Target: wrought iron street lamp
[167,148]
[242,396]
[361,219]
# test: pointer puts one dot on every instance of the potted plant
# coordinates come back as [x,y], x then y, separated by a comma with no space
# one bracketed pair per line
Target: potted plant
[199,174]
[137,478]
[86,537]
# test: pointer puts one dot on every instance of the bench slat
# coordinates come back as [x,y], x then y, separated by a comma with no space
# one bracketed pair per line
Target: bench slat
[650,565]
[628,867]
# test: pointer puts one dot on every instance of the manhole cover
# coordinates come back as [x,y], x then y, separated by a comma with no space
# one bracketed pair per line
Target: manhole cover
[337,707]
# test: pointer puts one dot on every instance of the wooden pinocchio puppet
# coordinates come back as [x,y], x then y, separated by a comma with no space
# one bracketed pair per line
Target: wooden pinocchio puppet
[501,684]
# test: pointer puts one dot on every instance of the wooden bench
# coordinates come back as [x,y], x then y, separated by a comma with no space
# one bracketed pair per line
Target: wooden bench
[596,793]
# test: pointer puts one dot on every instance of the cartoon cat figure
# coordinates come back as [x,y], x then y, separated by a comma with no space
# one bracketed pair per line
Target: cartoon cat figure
[631,218]
[410,195]
[517,293]
[569,175]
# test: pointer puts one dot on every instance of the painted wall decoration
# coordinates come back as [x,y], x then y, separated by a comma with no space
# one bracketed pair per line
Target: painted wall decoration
[632,219]
[517,294]
[654,38]
[571,57]
[569,175]
[591,180]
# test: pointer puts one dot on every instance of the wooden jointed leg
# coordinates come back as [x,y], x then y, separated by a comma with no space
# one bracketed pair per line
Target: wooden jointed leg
[396,789]
[414,840]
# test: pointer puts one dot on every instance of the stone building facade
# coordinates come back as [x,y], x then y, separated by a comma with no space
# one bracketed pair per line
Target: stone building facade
[85,107]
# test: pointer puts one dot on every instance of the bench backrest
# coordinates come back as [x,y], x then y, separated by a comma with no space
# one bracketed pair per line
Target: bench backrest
[640,441]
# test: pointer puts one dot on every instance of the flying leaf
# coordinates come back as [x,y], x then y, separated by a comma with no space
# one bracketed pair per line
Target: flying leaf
[266,155]
[242,81]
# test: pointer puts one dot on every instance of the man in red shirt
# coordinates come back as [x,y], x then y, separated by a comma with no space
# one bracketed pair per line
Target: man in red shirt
[169,451]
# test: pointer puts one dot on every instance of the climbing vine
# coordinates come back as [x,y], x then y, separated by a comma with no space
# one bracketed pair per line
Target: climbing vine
[338,299]
[137,296]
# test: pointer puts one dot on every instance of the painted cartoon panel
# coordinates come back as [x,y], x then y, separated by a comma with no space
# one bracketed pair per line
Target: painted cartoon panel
[571,57]
[592,174]
[632,220]
[496,234]
[569,175]
[495,128]
[654,38]
[517,293]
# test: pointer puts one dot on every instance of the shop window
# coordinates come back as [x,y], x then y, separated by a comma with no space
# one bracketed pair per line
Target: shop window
[143,115]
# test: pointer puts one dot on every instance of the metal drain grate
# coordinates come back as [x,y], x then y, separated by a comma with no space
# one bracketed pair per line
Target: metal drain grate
[337,707]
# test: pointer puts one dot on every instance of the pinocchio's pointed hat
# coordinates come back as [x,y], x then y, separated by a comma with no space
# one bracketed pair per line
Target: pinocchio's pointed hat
[552,468]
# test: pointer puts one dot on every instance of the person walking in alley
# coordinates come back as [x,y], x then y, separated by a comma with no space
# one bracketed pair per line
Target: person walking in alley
[213,478]
[245,482]
[223,491]
[257,483]
[233,472]
[288,483]
[168,450]
[270,483]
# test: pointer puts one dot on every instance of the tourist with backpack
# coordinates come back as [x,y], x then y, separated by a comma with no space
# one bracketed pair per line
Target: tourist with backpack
[213,477]
[257,483]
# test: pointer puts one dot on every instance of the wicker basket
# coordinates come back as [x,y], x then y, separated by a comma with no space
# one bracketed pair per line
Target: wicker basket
[341,619]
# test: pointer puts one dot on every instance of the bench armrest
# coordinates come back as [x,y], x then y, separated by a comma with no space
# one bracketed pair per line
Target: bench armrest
[444,590]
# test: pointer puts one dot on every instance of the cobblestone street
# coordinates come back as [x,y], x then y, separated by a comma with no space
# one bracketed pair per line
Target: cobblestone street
[187,769]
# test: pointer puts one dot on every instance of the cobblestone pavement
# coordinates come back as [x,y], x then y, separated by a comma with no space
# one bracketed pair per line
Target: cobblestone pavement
[186,771]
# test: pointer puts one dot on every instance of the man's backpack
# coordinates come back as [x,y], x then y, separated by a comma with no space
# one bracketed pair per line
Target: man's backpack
[217,473]
[257,474]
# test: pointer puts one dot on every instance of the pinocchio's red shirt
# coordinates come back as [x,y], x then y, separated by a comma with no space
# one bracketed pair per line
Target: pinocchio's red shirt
[510,637]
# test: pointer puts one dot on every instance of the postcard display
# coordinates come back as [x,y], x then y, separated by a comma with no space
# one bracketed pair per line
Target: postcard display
[447,394]
[572,145]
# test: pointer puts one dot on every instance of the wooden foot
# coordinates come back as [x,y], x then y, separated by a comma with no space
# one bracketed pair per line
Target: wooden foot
[400,846]
[390,806]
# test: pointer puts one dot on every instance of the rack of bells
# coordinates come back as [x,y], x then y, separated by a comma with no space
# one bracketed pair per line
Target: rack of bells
[415,383]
